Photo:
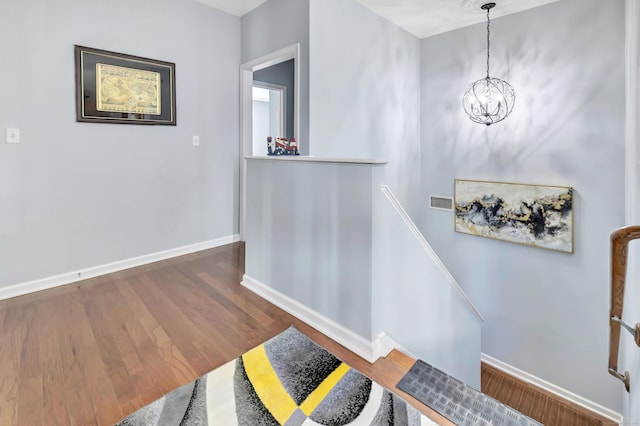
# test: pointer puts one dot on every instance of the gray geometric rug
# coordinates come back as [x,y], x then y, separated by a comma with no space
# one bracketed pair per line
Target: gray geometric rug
[456,401]
[289,380]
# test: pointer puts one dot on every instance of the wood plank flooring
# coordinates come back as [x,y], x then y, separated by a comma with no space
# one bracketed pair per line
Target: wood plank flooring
[535,402]
[92,352]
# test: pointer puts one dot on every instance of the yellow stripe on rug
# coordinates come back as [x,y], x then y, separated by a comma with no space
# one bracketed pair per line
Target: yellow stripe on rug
[319,393]
[267,385]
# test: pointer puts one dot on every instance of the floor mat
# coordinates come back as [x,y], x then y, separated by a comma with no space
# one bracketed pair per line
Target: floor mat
[456,401]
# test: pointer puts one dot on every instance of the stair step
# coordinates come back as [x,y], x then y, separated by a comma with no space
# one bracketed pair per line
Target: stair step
[456,401]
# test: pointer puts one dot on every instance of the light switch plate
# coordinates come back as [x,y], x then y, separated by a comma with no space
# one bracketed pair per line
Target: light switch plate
[196,141]
[13,135]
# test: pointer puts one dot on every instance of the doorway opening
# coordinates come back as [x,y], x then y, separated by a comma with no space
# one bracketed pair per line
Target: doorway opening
[289,120]
[269,115]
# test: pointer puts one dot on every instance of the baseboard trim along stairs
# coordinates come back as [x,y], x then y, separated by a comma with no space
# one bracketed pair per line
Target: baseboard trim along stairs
[330,328]
[553,389]
[383,344]
[91,272]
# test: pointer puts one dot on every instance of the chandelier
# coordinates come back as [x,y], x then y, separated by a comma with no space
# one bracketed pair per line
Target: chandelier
[488,100]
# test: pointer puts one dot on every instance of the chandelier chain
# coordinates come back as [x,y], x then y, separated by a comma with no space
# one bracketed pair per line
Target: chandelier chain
[488,100]
[488,39]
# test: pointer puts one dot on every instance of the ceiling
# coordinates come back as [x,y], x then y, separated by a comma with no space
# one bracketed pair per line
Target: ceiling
[422,18]
[234,7]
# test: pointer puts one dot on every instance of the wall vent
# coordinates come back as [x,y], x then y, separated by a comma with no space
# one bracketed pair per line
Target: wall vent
[441,203]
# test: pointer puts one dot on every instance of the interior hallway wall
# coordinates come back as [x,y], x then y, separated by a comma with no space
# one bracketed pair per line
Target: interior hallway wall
[77,195]
[365,102]
[272,26]
[546,311]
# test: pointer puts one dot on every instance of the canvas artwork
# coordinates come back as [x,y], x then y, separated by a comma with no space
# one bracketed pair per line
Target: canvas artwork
[535,215]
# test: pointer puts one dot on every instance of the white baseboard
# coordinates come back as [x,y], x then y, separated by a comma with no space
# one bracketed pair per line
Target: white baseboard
[384,344]
[86,273]
[554,389]
[327,326]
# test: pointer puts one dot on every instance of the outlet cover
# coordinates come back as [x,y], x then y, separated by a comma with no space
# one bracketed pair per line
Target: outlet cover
[13,135]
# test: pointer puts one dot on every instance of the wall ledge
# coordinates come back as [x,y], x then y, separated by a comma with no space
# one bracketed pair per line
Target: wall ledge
[94,271]
[308,159]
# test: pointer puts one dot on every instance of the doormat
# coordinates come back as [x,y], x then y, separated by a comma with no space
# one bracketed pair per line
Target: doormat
[456,401]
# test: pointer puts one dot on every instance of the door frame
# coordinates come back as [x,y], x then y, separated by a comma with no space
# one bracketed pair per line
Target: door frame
[246,113]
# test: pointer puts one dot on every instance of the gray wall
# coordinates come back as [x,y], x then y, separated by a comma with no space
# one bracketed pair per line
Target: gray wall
[272,26]
[75,195]
[364,101]
[284,75]
[309,238]
[414,303]
[546,311]
[367,105]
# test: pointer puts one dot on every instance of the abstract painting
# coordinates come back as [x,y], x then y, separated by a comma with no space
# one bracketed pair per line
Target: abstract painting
[535,215]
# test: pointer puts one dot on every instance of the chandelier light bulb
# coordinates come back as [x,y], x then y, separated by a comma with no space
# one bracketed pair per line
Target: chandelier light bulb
[488,100]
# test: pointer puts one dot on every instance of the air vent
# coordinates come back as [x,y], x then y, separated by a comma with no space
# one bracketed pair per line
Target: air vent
[441,203]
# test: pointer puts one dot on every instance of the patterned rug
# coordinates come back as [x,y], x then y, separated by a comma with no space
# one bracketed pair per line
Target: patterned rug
[289,380]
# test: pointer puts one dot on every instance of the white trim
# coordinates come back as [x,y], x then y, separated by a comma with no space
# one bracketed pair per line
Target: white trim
[326,326]
[427,247]
[308,159]
[246,140]
[554,389]
[91,272]
[384,344]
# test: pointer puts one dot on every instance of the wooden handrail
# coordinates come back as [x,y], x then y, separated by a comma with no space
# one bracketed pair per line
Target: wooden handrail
[619,249]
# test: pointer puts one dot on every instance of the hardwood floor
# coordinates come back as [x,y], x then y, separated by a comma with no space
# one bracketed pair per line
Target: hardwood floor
[535,402]
[92,352]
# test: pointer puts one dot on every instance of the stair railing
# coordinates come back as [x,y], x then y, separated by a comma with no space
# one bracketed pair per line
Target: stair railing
[619,249]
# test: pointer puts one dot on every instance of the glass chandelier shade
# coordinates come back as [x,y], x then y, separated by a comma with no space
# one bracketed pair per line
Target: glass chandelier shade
[488,100]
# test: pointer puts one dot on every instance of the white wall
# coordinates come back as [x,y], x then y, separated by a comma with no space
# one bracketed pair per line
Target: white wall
[546,312]
[76,195]
[365,103]
[272,26]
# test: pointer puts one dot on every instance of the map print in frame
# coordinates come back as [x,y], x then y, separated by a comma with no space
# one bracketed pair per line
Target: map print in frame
[127,90]
[119,88]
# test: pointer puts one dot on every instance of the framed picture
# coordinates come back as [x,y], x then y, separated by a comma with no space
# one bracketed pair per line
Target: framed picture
[117,88]
[535,215]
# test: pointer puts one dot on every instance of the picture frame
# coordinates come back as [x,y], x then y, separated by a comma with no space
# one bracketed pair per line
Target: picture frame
[534,215]
[124,89]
